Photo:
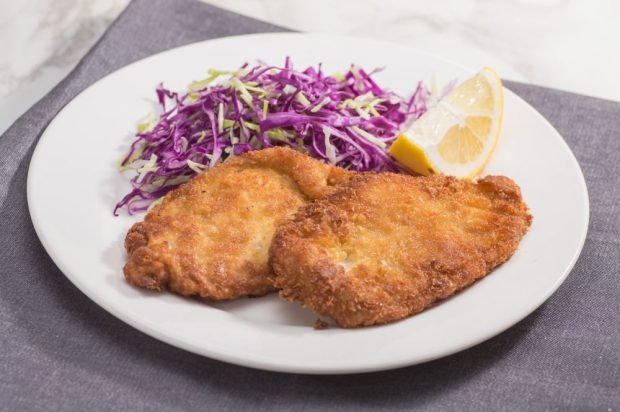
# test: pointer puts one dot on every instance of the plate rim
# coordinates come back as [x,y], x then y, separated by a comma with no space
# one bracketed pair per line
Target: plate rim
[150,328]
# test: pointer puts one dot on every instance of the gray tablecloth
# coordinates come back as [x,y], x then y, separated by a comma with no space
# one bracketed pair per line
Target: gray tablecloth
[58,350]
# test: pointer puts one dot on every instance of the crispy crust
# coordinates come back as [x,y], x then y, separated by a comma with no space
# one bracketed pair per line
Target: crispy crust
[387,246]
[211,236]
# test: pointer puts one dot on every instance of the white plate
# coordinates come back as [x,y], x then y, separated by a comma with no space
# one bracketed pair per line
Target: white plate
[73,185]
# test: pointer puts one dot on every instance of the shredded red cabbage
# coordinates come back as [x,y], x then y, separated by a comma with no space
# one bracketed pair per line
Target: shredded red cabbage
[346,120]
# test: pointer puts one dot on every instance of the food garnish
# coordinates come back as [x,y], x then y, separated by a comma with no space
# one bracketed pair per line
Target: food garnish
[458,135]
[346,120]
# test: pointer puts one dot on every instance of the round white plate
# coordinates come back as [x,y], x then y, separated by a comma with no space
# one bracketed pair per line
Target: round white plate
[73,185]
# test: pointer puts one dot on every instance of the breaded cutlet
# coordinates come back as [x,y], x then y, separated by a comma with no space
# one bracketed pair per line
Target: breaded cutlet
[211,236]
[386,246]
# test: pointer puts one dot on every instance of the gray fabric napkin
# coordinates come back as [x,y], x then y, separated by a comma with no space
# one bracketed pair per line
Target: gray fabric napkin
[59,350]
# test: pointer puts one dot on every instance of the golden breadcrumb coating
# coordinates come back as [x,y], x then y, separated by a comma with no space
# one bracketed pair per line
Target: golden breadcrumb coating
[211,236]
[387,246]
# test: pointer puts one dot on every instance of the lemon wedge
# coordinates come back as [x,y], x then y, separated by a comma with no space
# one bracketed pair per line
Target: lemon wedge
[457,136]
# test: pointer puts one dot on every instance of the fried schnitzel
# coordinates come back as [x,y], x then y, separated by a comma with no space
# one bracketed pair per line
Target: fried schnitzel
[387,246]
[211,236]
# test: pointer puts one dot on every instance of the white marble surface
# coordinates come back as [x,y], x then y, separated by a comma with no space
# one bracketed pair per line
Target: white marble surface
[40,42]
[570,45]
